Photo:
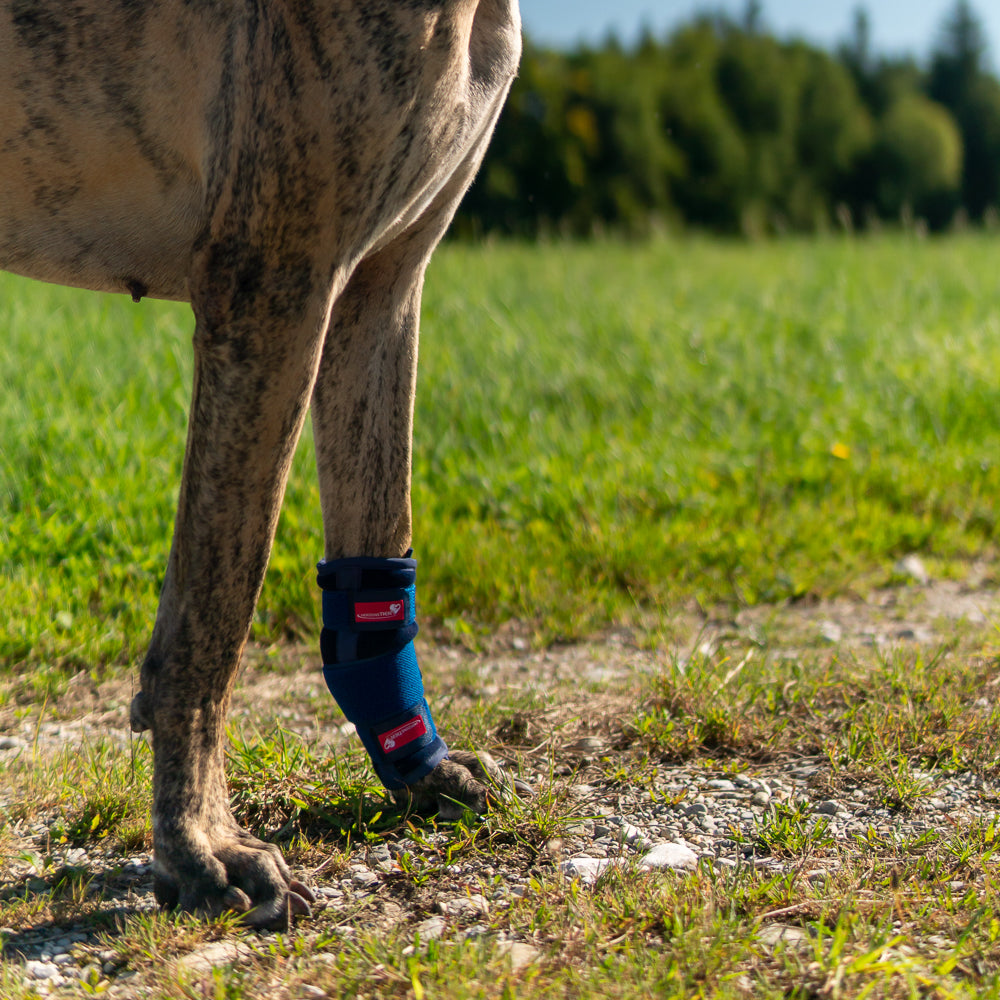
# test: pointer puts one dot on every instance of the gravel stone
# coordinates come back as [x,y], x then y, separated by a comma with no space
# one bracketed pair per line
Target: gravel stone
[213,955]
[786,934]
[431,929]
[675,856]
[41,970]
[464,906]
[586,869]
[364,879]
[519,954]
[630,834]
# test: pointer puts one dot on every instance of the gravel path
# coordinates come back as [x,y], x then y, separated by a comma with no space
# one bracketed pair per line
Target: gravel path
[693,817]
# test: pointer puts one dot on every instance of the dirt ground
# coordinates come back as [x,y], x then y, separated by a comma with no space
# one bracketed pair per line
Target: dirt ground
[284,685]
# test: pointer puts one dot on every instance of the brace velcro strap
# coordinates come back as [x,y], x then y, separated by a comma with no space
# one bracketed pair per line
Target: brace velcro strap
[370,610]
[370,665]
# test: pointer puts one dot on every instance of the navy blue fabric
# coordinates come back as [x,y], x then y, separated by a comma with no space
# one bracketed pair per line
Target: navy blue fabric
[369,691]
[338,607]
[414,759]
[371,668]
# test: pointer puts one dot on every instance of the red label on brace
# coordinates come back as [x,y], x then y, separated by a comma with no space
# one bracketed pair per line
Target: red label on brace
[401,735]
[379,611]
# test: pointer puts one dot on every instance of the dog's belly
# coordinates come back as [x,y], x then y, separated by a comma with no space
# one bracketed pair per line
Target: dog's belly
[102,110]
[110,234]
[87,201]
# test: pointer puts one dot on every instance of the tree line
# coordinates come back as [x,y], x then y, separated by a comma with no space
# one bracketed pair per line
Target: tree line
[722,126]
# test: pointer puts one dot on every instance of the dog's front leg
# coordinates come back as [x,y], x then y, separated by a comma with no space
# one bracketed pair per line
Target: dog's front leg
[255,362]
[362,415]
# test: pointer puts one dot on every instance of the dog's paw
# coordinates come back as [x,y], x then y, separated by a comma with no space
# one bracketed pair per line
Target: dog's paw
[241,875]
[464,780]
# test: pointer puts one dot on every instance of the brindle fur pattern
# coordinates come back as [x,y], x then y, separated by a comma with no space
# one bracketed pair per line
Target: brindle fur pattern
[287,167]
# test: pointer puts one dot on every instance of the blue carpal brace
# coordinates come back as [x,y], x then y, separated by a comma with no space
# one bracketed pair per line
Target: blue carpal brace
[370,665]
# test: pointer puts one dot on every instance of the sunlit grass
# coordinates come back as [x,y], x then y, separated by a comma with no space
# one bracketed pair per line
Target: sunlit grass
[602,432]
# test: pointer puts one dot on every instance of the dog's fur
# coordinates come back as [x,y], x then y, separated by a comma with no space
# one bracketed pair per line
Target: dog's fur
[287,166]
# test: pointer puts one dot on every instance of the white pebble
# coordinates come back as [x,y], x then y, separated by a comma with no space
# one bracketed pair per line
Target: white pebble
[674,856]
[41,970]
[306,991]
[630,834]
[586,869]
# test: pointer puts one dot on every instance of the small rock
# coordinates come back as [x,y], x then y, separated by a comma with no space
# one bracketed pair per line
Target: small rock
[90,974]
[804,770]
[912,566]
[721,785]
[462,906]
[214,955]
[431,929]
[760,799]
[364,879]
[787,934]
[520,954]
[696,809]
[828,808]
[11,743]
[586,869]
[915,634]
[630,834]
[674,856]
[307,992]
[831,631]
[40,970]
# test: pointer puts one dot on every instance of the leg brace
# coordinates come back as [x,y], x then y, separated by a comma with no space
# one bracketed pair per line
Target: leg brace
[370,666]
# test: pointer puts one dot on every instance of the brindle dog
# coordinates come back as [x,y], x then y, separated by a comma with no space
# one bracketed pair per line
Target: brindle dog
[287,167]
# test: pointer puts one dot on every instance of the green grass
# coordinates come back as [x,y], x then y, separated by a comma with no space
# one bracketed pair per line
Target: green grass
[603,431]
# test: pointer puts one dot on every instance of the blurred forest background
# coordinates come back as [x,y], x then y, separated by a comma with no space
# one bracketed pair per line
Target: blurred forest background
[723,127]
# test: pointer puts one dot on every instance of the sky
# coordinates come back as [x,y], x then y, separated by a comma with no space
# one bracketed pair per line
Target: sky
[898,26]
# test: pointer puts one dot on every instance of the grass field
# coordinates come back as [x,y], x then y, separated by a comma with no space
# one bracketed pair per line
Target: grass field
[603,432]
[652,436]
